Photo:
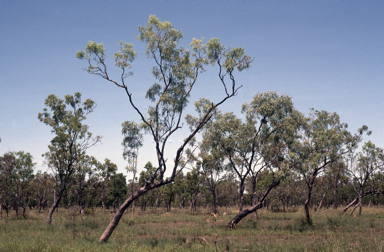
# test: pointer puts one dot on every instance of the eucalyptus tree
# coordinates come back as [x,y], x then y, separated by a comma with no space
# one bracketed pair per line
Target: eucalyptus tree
[132,141]
[225,136]
[42,185]
[85,166]
[194,187]
[6,166]
[362,167]
[71,139]
[16,173]
[176,71]
[104,172]
[21,176]
[324,140]
[117,190]
[336,172]
[210,162]
[212,168]
[261,142]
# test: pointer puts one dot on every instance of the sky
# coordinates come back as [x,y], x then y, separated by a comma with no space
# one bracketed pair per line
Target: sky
[326,55]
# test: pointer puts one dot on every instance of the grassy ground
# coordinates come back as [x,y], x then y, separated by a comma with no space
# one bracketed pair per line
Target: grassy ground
[180,230]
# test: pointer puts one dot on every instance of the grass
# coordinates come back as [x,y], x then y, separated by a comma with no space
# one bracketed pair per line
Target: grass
[180,230]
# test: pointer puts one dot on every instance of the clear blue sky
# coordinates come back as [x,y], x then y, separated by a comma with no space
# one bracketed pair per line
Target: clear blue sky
[324,54]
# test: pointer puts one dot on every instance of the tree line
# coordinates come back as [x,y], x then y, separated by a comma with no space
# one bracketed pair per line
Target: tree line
[272,155]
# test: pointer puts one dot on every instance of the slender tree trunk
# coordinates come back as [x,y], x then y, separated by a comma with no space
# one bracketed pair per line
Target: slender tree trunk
[16,206]
[335,193]
[358,204]
[112,225]
[80,193]
[253,208]
[181,203]
[214,201]
[54,205]
[1,209]
[349,205]
[307,201]
[321,203]
[361,199]
[254,195]
[241,192]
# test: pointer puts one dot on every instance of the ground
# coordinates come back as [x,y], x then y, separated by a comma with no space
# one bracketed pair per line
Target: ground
[182,230]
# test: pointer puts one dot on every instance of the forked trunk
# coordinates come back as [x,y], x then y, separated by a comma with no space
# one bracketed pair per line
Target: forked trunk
[253,208]
[349,205]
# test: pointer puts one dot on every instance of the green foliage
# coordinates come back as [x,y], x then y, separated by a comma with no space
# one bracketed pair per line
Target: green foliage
[117,189]
[71,135]
[132,141]
[16,175]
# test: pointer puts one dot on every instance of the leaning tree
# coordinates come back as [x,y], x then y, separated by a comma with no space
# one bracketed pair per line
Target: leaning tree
[176,71]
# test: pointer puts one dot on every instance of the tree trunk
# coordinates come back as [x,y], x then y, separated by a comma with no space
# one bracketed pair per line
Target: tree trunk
[241,192]
[112,225]
[361,199]
[358,204]
[214,200]
[307,201]
[254,195]
[349,205]
[321,203]
[1,210]
[253,208]
[54,205]
[335,194]
[181,203]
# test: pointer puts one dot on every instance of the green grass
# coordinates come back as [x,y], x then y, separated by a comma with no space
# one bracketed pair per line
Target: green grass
[180,230]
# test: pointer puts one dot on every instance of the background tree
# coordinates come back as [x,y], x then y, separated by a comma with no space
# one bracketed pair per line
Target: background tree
[71,139]
[117,190]
[361,168]
[176,70]
[132,141]
[262,142]
[84,167]
[104,172]
[323,141]
[336,172]
[42,185]
[6,166]
[21,176]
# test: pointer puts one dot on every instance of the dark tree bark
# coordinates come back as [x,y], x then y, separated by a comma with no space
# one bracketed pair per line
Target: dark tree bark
[308,200]
[360,196]
[54,205]
[253,208]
